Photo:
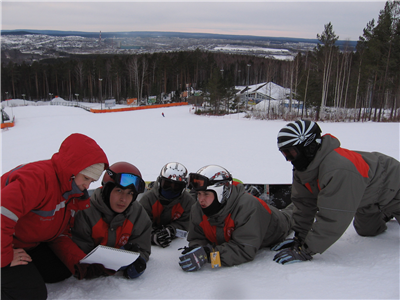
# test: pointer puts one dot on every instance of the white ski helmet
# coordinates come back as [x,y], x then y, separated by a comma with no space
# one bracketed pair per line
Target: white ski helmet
[214,178]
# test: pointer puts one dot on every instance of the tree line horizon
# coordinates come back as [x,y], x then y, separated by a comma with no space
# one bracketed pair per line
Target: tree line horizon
[367,77]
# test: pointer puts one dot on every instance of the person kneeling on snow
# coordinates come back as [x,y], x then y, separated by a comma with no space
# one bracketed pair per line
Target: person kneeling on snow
[38,202]
[228,225]
[116,220]
[331,186]
[168,204]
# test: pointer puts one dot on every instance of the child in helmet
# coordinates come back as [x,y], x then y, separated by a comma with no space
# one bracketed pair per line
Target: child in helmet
[115,219]
[168,204]
[229,221]
[331,186]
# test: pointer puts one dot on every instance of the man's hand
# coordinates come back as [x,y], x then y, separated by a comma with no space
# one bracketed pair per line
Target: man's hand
[194,257]
[135,269]
[295,254]
[163,236]
[20,258]
[89,271]
[288,243]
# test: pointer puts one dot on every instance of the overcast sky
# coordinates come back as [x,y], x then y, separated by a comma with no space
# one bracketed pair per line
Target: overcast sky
[259,18]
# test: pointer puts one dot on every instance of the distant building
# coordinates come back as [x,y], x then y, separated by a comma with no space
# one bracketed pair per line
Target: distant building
[263,91]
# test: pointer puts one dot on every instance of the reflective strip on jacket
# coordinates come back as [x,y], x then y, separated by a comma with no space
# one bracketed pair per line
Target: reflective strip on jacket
[38,203]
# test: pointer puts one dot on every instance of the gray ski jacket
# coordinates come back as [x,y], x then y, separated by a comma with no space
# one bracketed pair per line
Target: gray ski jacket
[243,226]
[98,225]
[336,185]
[175,213]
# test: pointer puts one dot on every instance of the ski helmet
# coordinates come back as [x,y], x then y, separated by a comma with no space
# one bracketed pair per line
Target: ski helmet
[299,141]
[172,180]
[214,178]
[124,175]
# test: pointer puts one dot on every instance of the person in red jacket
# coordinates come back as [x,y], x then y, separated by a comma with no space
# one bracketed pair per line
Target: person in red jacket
[38,204]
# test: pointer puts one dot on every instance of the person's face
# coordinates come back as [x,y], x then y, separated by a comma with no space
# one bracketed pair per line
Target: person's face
[205,198]
[290,153]
[120,199]
[83,182]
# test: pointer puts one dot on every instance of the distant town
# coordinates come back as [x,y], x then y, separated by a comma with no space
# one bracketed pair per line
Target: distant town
[28,46]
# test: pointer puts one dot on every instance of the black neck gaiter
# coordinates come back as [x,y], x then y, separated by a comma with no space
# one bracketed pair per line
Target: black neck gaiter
[212,209]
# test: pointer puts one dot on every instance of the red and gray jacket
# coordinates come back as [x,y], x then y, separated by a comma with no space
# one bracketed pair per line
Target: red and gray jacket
[243,226]
[336,184]
[38,202]
[98,225]
[175,213]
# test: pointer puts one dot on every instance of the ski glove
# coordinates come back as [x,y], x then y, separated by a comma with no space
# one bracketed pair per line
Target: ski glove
[90,271]
[135,269]
[163,236]
[194,257]
[295,254]
[288,243]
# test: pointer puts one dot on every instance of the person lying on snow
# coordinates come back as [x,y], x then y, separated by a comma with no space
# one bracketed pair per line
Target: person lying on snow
[168,204]
[228,225]
[115,219]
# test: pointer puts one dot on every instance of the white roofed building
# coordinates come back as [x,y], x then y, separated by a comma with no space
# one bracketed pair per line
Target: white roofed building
[263,91]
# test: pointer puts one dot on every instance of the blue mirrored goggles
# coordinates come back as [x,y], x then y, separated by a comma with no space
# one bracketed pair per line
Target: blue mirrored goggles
[127,180]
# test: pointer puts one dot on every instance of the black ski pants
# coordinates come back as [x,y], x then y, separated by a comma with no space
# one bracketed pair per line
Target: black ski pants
[29,281]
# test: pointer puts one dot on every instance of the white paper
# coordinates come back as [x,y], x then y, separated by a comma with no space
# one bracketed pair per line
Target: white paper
[181,233]
[110,258]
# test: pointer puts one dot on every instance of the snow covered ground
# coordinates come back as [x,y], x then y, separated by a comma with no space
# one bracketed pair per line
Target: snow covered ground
[355,267]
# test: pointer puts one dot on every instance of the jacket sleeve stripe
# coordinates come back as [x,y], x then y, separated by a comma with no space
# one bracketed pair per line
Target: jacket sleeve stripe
[9,214]
[49,213]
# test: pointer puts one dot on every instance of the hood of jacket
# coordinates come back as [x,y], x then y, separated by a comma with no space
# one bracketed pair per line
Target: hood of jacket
[329,144]
[230,205]
[76,153]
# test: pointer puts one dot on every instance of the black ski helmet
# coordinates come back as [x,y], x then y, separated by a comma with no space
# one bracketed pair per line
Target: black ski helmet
[302,137]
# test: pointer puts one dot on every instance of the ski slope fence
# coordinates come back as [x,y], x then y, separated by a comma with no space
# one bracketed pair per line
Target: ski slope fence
[8,124]
[137,107]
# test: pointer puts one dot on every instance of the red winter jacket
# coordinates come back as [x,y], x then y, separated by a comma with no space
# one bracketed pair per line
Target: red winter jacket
[39,201]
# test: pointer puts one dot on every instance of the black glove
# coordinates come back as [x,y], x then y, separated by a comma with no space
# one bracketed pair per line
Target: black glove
[194,257]
[131,247]
[135,269]
[89,271]
[288,243]
[163,236]
[295,254]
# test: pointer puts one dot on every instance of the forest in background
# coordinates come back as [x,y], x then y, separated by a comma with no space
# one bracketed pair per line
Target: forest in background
[365,79]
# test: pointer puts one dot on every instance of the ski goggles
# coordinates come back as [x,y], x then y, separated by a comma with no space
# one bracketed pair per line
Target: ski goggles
[200,183]
[172,185]
[290,153]
[127,180]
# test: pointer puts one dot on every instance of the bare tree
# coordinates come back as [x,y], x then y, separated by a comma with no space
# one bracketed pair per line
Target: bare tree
[328,39]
